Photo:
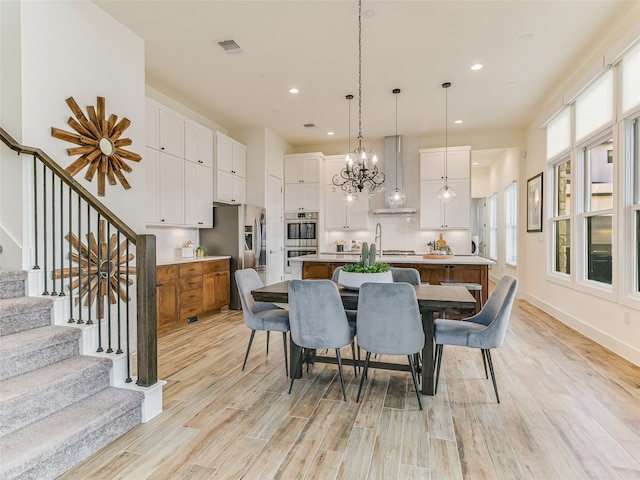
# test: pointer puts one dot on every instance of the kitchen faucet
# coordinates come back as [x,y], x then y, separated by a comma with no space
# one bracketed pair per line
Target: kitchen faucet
[378,237]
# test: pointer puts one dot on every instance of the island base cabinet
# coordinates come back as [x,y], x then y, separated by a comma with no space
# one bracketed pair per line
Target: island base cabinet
[437,274]
[322,270]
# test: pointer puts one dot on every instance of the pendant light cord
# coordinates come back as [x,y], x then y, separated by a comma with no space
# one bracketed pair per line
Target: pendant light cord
[446,86]
[360,72]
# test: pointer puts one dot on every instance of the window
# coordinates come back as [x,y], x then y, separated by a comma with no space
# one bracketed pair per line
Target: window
[493,226]
[511,223]
[634,156]
[560,219]
[598,210]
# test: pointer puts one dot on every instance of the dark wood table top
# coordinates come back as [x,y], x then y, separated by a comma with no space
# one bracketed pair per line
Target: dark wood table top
[430,297]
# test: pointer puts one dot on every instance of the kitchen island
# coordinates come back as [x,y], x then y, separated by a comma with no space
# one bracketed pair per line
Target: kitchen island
[457,268]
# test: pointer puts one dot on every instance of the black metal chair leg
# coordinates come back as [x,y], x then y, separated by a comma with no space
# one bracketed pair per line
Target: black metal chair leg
[268,343]
[284,344]
[415,380]
[353,355]
[439,348]
[253,332]
[484,361]
[293,376]
[364,374]
[344,391]
[493,376]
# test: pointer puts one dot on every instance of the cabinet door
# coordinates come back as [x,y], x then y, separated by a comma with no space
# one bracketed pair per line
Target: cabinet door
[171,183]
[292,170]
[197,195]
[458,164]
[310,172]
[171,136]
[317,270]
[334,209]
[152,123]
[167,296]
[431,210]
[358,213]
[310,197]
[292,197]
[239,160]
[224,152]
[432,274]
[224,186]
[457,214]
[198,144]
[432,165]
[239,189]
[152,162]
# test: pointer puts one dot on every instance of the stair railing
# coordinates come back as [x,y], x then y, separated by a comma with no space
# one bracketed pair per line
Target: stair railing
[96,275]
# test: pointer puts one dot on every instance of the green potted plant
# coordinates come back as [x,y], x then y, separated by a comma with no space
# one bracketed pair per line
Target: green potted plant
[366,270]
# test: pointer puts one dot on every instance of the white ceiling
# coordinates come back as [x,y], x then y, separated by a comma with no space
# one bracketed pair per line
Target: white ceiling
[525,46]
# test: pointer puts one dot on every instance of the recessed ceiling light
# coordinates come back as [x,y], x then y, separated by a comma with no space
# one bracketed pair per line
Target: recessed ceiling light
[476,66]
[458,121]
[293,90]
[330,133]
[526,36]
[512,84]
[474,163]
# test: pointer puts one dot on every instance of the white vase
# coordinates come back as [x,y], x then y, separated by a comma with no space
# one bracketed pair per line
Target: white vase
[353,280]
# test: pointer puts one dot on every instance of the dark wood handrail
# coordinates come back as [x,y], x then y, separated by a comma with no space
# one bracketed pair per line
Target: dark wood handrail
[72,183]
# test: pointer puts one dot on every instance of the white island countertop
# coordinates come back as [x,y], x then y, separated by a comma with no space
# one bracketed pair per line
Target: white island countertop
[171,261]
[350,258]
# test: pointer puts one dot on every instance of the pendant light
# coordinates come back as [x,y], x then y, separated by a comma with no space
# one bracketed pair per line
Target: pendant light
[361,168]
[396,196]
[446,193]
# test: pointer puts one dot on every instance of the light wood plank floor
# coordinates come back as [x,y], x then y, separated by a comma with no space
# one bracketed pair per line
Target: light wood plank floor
[570,410]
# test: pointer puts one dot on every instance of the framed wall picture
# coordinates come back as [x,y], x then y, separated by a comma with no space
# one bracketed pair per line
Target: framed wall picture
[534,203]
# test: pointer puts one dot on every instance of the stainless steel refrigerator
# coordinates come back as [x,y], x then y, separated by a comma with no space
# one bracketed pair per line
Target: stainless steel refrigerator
[238,231]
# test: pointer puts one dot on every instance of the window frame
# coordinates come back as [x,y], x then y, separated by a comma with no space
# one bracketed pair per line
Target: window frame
[511,229]
[493,229]
[554,218]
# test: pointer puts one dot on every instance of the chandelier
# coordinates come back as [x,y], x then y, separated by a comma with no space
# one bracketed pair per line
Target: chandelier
[361,168]
[446,193]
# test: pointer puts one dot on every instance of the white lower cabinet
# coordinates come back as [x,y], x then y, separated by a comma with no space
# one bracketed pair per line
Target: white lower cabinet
[435,214]
[340,215]
[198,182]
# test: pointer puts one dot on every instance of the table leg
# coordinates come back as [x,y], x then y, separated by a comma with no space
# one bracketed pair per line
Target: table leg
[427,353]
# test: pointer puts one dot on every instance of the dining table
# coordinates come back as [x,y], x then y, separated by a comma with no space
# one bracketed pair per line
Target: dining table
[432,300]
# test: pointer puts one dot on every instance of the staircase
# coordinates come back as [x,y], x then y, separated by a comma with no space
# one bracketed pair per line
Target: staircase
[56,406]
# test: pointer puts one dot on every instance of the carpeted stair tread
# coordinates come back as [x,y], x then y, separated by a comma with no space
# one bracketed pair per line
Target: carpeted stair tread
[61,384]
[25,351]
[12,283]
[24,313]
[42,449]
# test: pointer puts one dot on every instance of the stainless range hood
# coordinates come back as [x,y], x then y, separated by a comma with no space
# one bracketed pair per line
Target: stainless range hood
[393,174]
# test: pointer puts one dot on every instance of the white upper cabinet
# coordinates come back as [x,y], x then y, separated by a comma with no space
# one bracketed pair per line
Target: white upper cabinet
[198,211]
[231,170]
[302,168]
[171,189]
[152,126]
[435,214]
[171,136]
[302,197]
[198,144]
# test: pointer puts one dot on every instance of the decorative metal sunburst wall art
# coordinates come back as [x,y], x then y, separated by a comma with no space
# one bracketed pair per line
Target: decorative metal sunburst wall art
[101,269]
[100,145]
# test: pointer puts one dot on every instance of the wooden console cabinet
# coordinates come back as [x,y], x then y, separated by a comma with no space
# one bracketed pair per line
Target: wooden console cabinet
[186,290]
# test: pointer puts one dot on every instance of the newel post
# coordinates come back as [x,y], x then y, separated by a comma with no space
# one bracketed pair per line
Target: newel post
[147,324]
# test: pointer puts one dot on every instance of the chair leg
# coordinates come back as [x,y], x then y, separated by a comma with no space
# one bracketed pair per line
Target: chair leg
[344,391]
[268,342]
[439,348]
[364,374]
[293,377]
[493,376]
[353,355]
[484,361]
[415,380]
[253,332]
[284,344]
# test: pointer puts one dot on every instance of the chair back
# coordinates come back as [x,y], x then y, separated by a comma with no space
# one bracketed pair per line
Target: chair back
[495,315]
[248,280]
[316,315]
[336,274]
[389,320]
[408,275]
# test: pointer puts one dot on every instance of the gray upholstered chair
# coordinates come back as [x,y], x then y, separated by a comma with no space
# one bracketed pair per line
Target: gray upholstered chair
[318,321]
[260,315]
[485,330]
[408,275]
[389,323]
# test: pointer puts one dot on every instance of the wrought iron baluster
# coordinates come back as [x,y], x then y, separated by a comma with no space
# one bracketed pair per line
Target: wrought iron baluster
[35,210]
[69,233]
[89,259]
[53,233]
[79,262]
[44,227]
[61,293]
[128,380]
[118,299]
[108,287]
[99,306]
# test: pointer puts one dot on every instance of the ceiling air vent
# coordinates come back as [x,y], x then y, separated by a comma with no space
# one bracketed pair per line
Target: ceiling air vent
[230,46]
[309,125]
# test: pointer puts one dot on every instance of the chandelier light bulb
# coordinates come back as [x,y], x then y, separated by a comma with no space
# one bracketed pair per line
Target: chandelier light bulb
[446,194]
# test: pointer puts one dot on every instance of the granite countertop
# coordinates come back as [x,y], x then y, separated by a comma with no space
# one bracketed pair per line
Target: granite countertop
[346,257]
[171,261]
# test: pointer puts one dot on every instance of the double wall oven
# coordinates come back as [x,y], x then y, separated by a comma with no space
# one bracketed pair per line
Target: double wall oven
[301,235]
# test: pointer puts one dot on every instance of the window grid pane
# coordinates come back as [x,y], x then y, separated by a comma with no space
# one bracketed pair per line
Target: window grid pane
[493,226]
[599,248]
[562,230]
[599,169]
[511,223]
